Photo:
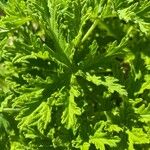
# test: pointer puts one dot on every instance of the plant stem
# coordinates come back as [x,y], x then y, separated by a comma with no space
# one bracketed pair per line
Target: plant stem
[9,110]
[89,31]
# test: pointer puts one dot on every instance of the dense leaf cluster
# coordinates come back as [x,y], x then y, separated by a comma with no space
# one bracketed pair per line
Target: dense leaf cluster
[75,74]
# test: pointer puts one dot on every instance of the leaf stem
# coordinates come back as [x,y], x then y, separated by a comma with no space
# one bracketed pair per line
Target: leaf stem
[9,110]
[89,31]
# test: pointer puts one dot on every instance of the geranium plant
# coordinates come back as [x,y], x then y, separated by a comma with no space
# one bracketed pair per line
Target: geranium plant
[74,74]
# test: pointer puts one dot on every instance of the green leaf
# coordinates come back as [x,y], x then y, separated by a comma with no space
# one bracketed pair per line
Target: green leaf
[137,136]
[114,128]
[112,85]
[128,14]
[40,118]
[144,113]
[94,79]
[85,146]
[145,85]
[26,98]
[146,61]
[15,145]
[71,110]
[4,124]
[101,139]
[110,82]
[57,57]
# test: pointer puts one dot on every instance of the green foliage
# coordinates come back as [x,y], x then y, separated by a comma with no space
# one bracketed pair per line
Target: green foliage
[74,74]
